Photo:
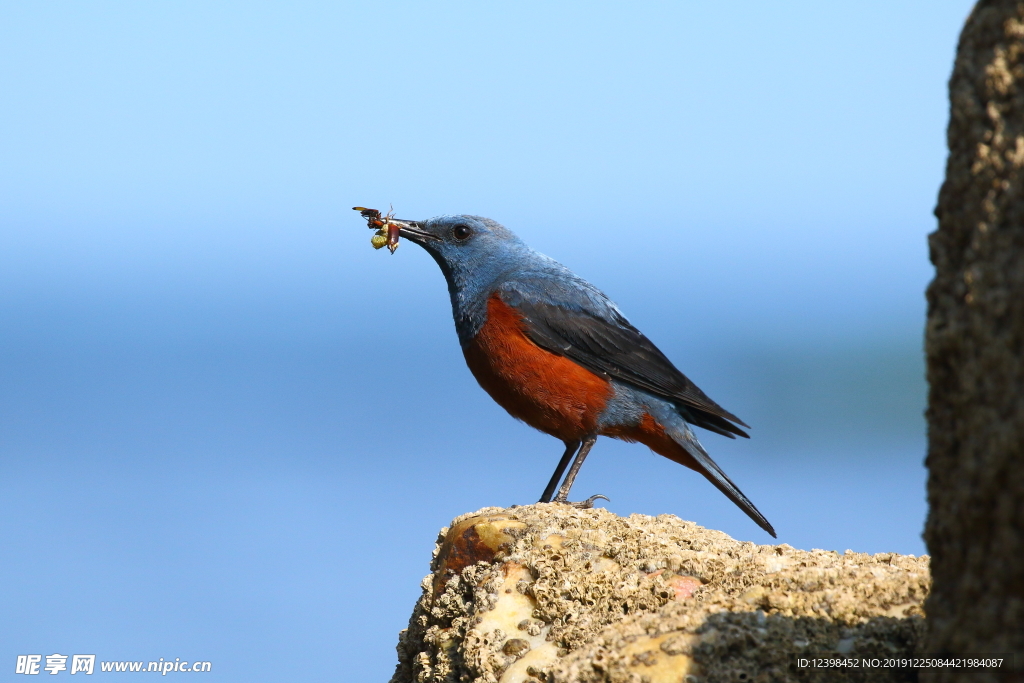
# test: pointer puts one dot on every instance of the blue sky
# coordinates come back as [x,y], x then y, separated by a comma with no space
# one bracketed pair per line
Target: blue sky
[230,430]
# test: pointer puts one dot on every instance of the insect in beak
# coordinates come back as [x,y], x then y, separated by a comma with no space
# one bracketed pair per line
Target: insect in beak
[387,228]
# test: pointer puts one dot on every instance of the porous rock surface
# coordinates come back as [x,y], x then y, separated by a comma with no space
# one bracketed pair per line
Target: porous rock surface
[974,343]
[550,593]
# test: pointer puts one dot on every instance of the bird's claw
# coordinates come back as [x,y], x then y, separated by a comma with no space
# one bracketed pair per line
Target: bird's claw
[584,504]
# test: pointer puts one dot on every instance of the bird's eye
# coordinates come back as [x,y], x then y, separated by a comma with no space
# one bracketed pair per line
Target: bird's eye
[461,232]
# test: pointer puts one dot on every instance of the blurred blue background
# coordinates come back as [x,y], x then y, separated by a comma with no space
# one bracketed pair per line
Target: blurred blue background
[229,430]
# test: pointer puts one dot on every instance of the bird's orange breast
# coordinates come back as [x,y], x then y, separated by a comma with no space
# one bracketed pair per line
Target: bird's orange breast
[546,391]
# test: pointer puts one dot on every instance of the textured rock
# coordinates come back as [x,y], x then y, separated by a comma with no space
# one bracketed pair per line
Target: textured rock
[550,593]
[975,352]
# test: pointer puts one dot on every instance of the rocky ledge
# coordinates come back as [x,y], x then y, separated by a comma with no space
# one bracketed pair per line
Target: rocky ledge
[550,593]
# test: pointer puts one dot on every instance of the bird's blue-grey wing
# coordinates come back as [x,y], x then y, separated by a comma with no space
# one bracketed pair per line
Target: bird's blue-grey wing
[568,316]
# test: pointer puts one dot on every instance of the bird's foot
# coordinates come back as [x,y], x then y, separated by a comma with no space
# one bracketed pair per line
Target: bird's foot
[583,504]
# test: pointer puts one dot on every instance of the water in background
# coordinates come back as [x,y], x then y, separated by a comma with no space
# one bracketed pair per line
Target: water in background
[229,430]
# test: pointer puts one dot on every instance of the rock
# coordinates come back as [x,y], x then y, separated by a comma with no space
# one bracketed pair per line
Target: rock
[547,592]
[974,342]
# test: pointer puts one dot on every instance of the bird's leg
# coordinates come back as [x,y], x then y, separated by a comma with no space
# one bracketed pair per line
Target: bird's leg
[563,492]
[570,448]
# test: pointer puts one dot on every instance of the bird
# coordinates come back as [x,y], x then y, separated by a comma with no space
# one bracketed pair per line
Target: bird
[556,353]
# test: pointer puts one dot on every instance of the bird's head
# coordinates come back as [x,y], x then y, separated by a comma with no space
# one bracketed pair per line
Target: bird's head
[469,249]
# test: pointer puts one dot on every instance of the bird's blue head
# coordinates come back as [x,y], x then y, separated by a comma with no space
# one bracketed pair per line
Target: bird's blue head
[472,251]
[475,254]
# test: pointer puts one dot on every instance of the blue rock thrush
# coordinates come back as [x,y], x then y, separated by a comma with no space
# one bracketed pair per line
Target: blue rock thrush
[556,353]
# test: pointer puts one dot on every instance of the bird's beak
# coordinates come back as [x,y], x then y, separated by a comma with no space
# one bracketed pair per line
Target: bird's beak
[411,230]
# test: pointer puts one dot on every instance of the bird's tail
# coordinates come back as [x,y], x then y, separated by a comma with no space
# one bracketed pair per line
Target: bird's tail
[689,452]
